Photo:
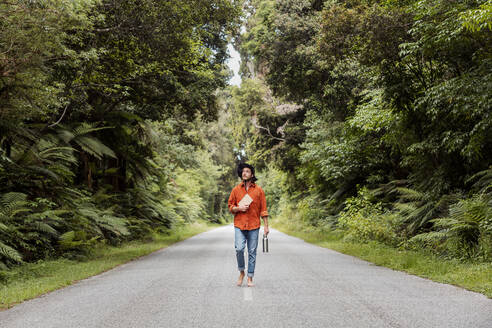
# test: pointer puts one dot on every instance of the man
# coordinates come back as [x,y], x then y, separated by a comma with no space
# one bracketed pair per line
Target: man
[247,219]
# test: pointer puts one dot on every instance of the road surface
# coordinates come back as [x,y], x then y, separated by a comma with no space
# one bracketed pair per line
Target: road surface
[192,284]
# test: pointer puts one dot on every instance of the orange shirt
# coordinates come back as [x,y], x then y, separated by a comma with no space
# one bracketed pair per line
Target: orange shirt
[250,219]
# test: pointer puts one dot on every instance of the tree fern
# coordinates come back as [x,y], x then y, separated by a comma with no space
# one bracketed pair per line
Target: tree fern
[114,224]
[461,231]
[483,180]
[45,228]
[105,220]
[11,203]
[412,195]
[81,136]
[420,208]
[9,253]
[44,172]
[76,241]
[67,237]
[94,147]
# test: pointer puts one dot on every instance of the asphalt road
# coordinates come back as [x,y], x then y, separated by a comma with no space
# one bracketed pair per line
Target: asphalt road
[192,284]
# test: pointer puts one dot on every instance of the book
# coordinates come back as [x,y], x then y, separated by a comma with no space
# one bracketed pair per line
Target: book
[247,200]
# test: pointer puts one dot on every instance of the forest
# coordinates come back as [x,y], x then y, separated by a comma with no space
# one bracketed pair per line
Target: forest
[111,124]
[367,118]
[372,119]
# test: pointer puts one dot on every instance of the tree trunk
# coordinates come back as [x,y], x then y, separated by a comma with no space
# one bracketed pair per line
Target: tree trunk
[8,147]
[87,170]
[113,163]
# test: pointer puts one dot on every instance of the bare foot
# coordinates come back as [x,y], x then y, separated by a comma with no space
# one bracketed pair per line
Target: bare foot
[250,282]
[240,279]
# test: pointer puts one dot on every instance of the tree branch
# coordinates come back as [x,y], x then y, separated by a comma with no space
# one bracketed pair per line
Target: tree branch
[253,119]
[63,114]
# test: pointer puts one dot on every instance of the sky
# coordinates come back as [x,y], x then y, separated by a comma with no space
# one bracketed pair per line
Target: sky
[233,64]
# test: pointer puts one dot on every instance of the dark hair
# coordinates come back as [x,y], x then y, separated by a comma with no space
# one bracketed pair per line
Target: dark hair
[240,168]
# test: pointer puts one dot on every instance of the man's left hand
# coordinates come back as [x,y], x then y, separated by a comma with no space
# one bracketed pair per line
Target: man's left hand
[266,230]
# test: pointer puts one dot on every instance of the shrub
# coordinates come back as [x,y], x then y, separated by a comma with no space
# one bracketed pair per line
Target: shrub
[364,220]
[465,233]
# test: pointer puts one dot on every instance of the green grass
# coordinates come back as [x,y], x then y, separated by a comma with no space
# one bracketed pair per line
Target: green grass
[474,276]
[31,280]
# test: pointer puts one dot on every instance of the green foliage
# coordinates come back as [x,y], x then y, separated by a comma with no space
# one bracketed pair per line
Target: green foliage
[28,229]
[465,232]
[364,220]
[108,121]
[395,97]
[482,181]
[274,183]
[478,19]
[419,208]
[33,38]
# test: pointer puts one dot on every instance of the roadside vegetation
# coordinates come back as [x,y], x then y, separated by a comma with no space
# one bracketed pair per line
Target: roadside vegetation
[371,123]
[112,132]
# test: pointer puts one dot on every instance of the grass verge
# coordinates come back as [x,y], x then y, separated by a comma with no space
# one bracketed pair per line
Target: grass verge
[474,276]
[34,279]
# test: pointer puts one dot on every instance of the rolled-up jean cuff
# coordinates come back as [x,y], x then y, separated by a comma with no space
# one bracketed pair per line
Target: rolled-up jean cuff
[251,275]
[240,269]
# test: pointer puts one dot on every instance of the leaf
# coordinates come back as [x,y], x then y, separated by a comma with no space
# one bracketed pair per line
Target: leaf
[10,253]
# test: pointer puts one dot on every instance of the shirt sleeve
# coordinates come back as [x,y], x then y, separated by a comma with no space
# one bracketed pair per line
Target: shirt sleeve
[232,200]
[263,206]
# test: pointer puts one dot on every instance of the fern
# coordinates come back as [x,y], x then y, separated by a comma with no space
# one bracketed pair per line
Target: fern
[67,237]
[45,172]
[45,228]
[11,203]
[87,128]
[114,224]
[483,180]
[420,208]
[3,266]
[9,253]
[94,147]
[430,237]
[411,195]
[80,136]
[461,231]
[76,241]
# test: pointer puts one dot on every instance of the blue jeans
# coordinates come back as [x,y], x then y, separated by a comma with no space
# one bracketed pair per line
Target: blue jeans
[240,239]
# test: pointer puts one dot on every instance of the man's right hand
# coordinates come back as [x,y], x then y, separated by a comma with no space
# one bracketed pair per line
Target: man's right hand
[242,208]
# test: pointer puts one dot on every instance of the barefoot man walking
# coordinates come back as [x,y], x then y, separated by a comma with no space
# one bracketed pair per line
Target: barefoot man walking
[247,212]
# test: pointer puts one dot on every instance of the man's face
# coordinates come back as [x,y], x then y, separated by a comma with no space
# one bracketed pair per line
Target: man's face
[246,175]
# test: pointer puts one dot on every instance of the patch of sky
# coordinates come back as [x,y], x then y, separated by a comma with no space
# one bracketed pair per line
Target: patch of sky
[233,63]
